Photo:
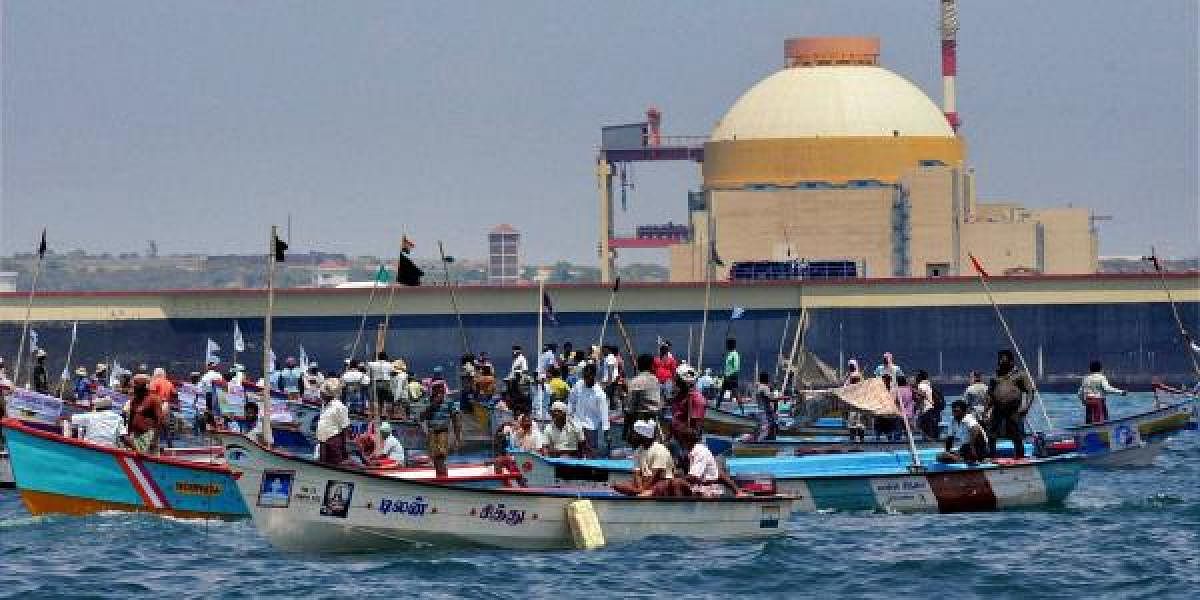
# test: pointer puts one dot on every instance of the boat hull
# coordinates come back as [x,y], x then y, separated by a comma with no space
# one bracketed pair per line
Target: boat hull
[865,482]
[300,505]
[1136,440]
[61,475]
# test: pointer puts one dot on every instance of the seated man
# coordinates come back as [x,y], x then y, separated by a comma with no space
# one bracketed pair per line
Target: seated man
[967,442]
[562,437]
[392,449]
[704,475]
[653,468]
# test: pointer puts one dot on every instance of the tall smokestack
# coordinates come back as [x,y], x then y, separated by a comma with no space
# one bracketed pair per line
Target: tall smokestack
[949,60]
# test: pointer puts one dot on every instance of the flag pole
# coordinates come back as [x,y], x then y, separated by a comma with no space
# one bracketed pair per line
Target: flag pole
[541,314]
[462,329]
[1011,339]
[782,339]
[362,325]
[62,387]
[708,269]
[265,412]
[37,271]
[1183,333]
[387,315]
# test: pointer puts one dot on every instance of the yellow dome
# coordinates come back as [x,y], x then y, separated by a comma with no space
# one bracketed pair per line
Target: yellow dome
[832,101]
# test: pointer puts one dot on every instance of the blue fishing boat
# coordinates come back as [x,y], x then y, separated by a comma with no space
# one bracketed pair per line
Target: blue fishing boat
[875,481]
[57,474]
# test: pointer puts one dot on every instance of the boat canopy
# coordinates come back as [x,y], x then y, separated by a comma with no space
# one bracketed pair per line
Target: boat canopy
[869,395]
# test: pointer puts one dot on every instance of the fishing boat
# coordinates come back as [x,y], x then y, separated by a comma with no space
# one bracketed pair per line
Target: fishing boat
[1135,440]
[877,481]
[58,474]
[300,505]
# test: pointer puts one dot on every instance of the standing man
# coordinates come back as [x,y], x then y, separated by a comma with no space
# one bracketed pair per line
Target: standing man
[588,405]
[1010,395]
[380,371]
[733,368]
[209,382]
[645,394]
[41,380]
[976,395]
[1092,392]
[333,425]
[664,368]
[548,358]
[436,418]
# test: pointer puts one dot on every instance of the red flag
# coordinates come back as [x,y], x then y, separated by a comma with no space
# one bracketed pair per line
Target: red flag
[975,263]
[406,245]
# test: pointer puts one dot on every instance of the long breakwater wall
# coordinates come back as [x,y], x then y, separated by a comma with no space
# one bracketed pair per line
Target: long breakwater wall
[946,326]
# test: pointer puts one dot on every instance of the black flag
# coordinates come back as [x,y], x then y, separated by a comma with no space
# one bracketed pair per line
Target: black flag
[42,246]
[408,273]
[617,284]
[279,247]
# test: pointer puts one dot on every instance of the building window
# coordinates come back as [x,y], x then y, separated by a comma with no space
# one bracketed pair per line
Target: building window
[937,269]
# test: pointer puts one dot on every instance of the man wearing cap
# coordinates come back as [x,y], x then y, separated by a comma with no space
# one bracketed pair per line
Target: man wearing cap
[588,404]
[82,387]
[653,467]
[562,437]
[391,449]
[312,382]
[41,380]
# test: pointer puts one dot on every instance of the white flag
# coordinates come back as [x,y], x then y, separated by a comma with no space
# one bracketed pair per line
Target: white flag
[239,344]
[33,341]
[303,359]
[272,361]
[210,352]
[115,379]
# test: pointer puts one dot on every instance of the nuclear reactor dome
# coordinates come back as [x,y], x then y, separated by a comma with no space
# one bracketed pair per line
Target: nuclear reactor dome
[831,101]
[832,115]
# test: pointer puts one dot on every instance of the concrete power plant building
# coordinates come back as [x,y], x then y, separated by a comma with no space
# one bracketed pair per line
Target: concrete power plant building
[835,158]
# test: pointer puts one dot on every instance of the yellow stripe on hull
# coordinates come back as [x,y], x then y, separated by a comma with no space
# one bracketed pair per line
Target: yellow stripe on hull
[44,503]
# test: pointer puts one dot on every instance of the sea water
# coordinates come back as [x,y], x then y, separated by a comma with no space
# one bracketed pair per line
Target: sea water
[1123,533]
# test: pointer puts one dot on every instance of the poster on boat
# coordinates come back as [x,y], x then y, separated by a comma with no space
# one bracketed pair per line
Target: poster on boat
[30,404]
[231,401]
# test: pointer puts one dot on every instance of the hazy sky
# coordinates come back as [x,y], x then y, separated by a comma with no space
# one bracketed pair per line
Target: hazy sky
[197,123]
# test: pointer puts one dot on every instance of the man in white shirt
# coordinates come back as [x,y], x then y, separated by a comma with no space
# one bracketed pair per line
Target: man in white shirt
[391,448]
[704,475]
[332,427]
[967,442]
[588,405]
[209,382]
[562,437]
[653,467]
[519,364]
[548,358]
[380,371]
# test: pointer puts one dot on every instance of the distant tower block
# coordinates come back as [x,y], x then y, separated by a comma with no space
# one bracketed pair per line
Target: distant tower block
[503,245]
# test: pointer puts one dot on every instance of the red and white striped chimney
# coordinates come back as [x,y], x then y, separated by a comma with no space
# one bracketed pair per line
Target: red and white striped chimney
[949,28]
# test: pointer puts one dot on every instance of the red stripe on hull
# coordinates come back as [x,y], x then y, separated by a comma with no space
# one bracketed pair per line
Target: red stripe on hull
[133,481]
[962,491]
[153,484]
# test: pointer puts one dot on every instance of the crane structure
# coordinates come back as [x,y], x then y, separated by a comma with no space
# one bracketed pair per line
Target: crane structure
[620,147]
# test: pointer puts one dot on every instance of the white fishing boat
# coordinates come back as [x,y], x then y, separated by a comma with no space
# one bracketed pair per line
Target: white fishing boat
[301,505]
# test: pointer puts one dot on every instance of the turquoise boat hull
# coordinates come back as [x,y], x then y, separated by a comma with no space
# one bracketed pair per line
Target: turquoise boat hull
[57,475]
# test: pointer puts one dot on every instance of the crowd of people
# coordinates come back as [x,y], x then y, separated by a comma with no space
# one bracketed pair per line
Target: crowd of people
[660,402]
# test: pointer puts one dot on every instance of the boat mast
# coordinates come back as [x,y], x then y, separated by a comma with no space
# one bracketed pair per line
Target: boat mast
[462,330]
[272,247]
[37,271]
